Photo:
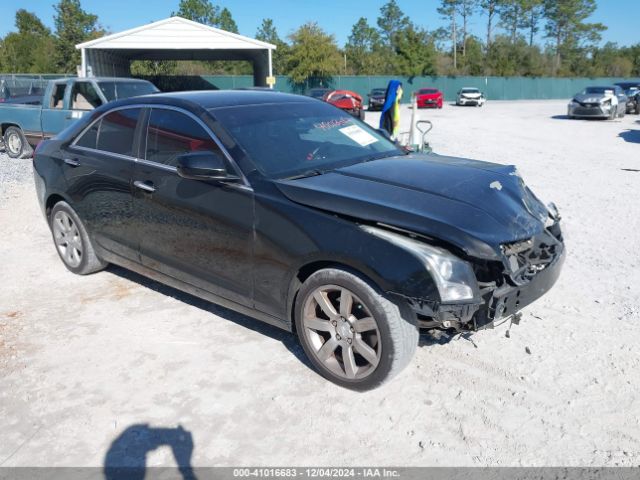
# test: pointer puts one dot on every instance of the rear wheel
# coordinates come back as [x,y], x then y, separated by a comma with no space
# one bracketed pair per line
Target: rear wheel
[72,241]
[353,334]
[15,143]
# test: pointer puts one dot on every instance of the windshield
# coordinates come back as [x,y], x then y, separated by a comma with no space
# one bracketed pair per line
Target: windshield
[599,90]
[470,90]
[379,91]
[295,139]
[118,90]
[428,90]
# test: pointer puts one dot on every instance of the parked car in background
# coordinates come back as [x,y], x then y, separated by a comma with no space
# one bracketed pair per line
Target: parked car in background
[63,102]
[293,212]
[318,92]
[429,98]
[607,101]
[346,100]
[632,91]
[376,98]
[633,103]
[470,96]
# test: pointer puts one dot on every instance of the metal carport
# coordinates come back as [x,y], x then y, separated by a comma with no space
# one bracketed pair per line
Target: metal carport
[174,38]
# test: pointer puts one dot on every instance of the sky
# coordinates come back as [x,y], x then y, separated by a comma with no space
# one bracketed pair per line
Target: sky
[334,16]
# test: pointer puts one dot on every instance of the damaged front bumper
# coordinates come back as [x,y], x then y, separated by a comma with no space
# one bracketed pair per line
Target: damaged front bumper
[528,274]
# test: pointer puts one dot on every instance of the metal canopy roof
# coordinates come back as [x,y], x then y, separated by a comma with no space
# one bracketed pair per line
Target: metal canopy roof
[174,38]
[176,33]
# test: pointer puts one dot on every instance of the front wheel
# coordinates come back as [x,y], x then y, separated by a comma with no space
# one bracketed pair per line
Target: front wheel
[72,241]
[354,335]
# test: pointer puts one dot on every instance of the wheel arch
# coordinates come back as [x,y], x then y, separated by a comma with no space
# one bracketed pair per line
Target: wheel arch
[5,125]
[50,202]
[307,269]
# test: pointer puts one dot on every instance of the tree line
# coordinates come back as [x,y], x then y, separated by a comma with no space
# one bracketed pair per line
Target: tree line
[395,45]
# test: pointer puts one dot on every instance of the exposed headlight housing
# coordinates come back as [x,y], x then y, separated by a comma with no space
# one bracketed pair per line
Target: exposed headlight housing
[453,276]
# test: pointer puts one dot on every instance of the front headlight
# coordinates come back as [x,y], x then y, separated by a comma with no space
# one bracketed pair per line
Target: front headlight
[453,276]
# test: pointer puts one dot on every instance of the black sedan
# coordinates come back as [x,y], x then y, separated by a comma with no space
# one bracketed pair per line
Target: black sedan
[376,98]
[293,212]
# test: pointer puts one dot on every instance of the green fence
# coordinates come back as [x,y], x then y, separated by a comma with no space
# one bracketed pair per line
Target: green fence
[495,88]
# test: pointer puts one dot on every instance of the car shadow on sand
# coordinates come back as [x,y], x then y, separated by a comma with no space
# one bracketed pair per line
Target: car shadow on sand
[631,136]
[127,455]
[288,339]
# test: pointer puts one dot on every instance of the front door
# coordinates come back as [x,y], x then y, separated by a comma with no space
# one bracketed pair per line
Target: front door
[57,114]
[199,232]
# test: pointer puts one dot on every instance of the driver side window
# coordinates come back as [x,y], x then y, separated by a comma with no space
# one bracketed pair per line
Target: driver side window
[84,97]
[171,134]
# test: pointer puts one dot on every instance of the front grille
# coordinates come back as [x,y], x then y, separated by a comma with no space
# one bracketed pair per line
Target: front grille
[527,258]
[593,111]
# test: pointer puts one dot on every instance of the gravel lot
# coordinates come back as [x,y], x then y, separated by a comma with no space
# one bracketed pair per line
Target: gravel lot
[98,369]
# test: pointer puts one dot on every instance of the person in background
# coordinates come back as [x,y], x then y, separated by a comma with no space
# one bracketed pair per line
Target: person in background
[390,117]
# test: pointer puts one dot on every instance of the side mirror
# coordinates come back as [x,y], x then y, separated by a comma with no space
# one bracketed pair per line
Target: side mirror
[203,166]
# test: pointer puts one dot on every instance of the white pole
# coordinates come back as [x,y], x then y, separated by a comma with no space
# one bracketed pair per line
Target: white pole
[270,68]
[414,119]
[83,65]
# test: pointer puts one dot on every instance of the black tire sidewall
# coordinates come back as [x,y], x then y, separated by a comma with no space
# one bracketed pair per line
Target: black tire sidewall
[84,238]
[367,295]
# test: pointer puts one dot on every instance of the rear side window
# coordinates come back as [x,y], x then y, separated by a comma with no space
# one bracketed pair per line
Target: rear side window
[117,131]
[171,134]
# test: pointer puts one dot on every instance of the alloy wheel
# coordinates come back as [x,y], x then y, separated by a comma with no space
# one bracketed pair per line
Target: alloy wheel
[67,238]
[342,333]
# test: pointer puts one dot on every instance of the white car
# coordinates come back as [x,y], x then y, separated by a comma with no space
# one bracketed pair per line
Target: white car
[470,96]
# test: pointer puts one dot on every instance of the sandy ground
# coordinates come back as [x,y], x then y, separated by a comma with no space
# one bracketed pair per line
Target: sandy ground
[113,367]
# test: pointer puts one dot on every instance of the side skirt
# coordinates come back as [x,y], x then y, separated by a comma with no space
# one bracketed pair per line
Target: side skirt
[195,291]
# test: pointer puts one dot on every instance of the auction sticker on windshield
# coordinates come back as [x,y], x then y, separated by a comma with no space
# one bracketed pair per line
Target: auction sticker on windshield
[358,135]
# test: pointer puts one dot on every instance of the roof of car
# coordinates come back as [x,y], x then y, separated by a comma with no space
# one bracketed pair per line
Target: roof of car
[209,99]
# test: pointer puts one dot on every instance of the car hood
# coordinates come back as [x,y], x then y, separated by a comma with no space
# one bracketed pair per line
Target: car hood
[589,97]
[476,206]
[428,95]
[471,95]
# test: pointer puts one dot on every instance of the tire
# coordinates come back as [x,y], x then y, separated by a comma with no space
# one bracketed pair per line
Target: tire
[390,334]
[15,143]
[72,241]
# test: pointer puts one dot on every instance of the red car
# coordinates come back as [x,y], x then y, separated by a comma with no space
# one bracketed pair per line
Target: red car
[429,98]
[346,100]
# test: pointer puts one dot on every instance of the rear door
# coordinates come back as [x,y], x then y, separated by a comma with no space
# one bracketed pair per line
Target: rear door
[199,232]
[98,167]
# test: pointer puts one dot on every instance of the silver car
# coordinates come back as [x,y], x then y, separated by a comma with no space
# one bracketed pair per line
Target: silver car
[598,102]
[470,96]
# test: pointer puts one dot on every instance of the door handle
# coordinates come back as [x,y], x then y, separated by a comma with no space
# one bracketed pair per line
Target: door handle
[72,162]
[147,187]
